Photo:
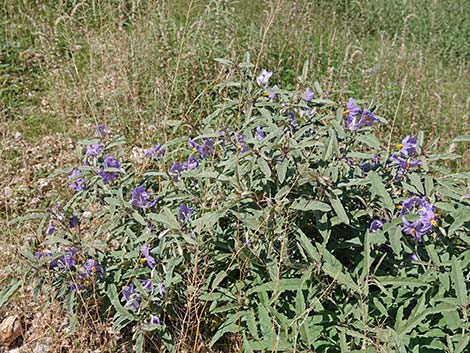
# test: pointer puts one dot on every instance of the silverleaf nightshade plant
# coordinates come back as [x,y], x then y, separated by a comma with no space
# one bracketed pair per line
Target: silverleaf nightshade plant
[287,212]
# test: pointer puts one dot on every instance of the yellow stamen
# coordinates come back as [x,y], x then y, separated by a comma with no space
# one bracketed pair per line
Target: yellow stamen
[399,145]
[437,215]
[346,112]
[93,269]
[434,222]
[408,165]
[194,149]
[413,231]
[142,260]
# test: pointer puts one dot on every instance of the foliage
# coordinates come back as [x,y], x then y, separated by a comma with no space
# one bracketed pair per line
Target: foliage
[299,230]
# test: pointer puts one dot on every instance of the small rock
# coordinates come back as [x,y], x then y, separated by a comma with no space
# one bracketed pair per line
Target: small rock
[8,191]
[41,348]
[10,329]
[87,214]
[43,185]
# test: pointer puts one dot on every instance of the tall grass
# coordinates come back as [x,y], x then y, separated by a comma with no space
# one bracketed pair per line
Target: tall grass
[140,63]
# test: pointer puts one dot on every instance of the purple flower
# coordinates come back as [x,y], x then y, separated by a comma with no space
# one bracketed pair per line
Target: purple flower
[73,221]
[92,267]
[204,150]
[51,229]
[240,142]
[365,167]
[408,146]
[192,163]
[54,263]
[404,164]
[74,286]
[263,78]
[309,94]
[367,118]
[154,320]
[147,284]
[161,289]
[293,122]
[175,170]
[70,259]
[271,95]
[132,298]
[93,150]
[417,228]
[351,111]
[409,204]
[140,196]
[147,257]
[375,225]
[247,242]
[109,162]
[413,257]
[184,212]
[75,181]
[427,214]
[259,133]
[156,151]
[101,130]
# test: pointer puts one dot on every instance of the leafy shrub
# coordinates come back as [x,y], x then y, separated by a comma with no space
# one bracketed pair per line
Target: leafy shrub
[298,230]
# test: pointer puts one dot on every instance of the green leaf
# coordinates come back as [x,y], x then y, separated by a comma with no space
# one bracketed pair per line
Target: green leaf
[460,217]
[139,343]
[250,320]
[166,218]
[8,291]
[280,285]
[310,205]
[415,320]
[265,323]
[307,245]
[27,218]
[281,170]
[369,140]
[443,156]
[401,282]
[333,268]
[459,282]
[332,146]
[395,240]
[114,299]
[229,326]
[379,189]
[416,182]
[462,344]
[139,218]
[263,165]
[462,138]
[339,210]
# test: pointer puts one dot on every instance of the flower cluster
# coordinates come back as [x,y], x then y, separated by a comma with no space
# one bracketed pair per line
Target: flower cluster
[427,217]
[403,158]
[229,195]
[140,198]
[356,117]
[156,151]
[204,150]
